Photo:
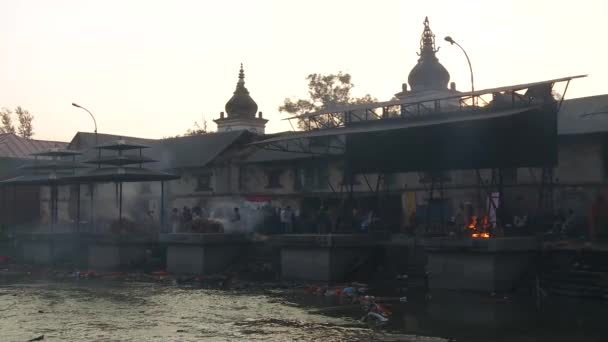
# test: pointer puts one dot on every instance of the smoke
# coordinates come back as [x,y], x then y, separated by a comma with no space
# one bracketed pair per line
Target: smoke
[251,215]
[140,203]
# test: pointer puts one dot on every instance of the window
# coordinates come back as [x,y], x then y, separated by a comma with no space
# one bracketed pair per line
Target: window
[312,177]
[274,179]
[203,182]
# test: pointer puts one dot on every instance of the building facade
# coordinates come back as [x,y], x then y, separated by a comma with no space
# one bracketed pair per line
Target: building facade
[220,171]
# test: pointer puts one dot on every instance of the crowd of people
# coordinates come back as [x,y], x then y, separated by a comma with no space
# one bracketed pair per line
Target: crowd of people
[199,220]
[271,220]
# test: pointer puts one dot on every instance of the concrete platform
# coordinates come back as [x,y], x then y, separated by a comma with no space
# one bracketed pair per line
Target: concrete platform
[117,251]
[50,249]
[328,257]
[484,265]
[96,251]
[115,256]
[202,253]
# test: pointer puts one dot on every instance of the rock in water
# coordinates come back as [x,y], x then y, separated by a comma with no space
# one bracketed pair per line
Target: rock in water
[39,338]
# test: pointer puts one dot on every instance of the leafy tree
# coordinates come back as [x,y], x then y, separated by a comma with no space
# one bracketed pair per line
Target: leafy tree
[324,92]
[7,121]
[25,129]
[197,130]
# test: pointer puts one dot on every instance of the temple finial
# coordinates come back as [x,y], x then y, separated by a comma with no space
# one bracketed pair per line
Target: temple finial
[242,73]
[427,41]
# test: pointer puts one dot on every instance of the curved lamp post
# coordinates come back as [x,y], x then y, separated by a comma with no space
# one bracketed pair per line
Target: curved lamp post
[96,143]
[91,114]
[451,41]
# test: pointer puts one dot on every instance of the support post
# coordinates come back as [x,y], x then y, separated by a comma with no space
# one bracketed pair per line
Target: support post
[52,204]
[501,214]
[120,204]
[162,206]
[14,204]
[78,208]
[2,208]
[92,205]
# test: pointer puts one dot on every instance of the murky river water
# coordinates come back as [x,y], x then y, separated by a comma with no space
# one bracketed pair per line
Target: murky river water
[90,311]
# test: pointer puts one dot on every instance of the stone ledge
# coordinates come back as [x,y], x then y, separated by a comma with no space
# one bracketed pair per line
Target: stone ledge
[326,240]
[202,239]
[89,238]
[491,245]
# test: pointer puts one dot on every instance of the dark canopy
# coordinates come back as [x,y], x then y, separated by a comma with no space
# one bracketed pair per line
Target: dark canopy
[523,138]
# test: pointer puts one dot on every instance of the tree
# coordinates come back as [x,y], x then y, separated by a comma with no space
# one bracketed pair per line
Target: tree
[197,130]
[25,129]
[324,91]
[7,121]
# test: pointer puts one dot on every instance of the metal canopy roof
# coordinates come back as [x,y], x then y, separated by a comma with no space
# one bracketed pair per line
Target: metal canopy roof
[415,100]
[121,145]
[57,152]
[53,165]
[121,174]
[395,124]
[120,160]
[48,179]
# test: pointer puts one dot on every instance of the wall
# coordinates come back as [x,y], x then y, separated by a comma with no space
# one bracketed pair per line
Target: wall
[581,160]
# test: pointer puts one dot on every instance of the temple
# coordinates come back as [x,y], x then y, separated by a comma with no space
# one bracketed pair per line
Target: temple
[428,77]
[241,111]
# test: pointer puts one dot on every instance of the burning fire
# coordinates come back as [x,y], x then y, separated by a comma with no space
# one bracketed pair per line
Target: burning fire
[480,235]
[472,223]
[479,227]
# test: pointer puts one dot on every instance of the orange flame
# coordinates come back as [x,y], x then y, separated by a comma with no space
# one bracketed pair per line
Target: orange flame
[480,235]
[479,227]
[472,222]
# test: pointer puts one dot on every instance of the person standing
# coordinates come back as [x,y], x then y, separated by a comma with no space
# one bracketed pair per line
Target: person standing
[236,215]
[323,221]
[175,220]
[287,220]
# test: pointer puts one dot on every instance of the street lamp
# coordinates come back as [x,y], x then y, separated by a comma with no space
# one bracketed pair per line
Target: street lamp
[92,187]
[451,41]
[93,117]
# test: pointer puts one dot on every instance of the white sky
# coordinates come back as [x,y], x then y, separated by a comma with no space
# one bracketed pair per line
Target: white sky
[151,68]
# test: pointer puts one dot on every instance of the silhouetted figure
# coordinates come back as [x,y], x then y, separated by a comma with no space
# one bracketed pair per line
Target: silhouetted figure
[323,221]
[287,217]
[174,220]
[186,218]
[236,216]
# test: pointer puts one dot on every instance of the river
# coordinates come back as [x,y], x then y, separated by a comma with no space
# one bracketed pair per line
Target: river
[133,311]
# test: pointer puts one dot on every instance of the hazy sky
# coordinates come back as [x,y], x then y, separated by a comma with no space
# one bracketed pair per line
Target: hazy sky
[151,68]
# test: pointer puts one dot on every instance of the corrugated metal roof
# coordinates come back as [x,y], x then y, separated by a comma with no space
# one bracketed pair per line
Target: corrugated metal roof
[583,115]
[263,155]
[394,124]
[430,98]
[171,153]
[193,151]
[85,141]
[13,146]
